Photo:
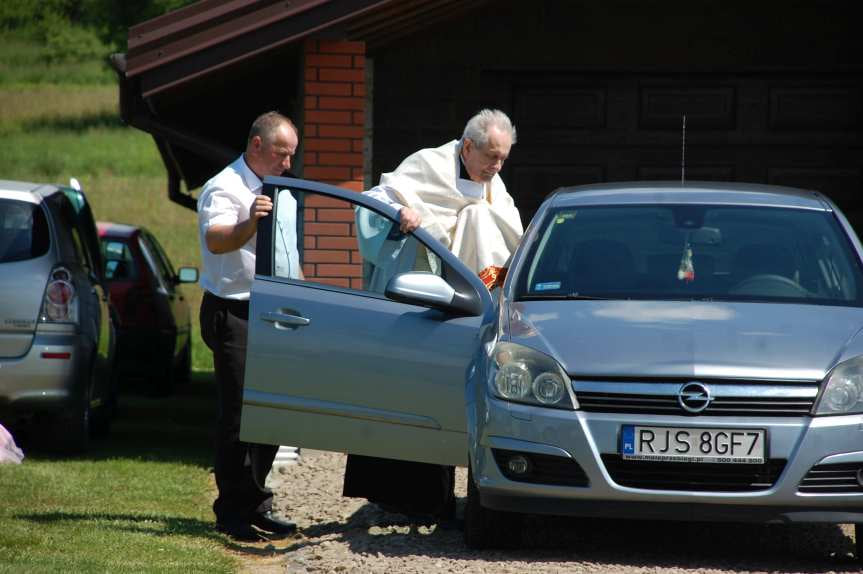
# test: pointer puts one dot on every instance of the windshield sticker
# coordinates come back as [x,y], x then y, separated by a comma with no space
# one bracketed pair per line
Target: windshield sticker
[548,286]
[563,217]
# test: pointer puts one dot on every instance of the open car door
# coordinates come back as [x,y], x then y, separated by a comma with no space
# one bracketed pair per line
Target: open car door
[369,353]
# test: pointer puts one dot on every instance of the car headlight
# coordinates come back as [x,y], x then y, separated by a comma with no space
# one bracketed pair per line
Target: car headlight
[523,375]
[843,392]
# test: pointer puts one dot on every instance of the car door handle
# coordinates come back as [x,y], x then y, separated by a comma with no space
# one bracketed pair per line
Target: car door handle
[282,320]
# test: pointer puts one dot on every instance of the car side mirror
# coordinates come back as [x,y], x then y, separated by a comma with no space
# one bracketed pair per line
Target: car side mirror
[187,275]
[429,290]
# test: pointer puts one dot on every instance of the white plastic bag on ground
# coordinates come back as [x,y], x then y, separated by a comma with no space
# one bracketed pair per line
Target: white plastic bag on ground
[9,451]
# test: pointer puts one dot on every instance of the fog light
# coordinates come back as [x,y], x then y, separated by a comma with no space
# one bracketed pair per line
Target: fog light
[518,464]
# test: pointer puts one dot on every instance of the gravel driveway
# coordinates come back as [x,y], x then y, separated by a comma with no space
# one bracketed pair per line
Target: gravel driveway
[352,536]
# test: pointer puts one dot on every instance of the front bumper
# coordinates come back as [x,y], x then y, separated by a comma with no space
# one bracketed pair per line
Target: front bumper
[801,442]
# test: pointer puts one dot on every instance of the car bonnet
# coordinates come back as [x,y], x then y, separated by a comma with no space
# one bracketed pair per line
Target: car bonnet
[686,338]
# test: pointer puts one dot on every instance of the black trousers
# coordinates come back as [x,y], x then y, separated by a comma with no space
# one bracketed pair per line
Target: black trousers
[240,467]
[416,489]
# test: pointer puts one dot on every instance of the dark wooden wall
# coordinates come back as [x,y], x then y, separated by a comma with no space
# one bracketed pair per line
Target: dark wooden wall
[772,91]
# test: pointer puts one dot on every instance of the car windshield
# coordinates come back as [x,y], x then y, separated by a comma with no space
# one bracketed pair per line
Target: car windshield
[740,253]
[23,231]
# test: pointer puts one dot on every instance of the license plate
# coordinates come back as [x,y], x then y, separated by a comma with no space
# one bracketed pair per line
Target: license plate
[684,444]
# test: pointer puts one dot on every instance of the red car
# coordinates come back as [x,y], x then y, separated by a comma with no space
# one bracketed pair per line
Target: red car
[154,332]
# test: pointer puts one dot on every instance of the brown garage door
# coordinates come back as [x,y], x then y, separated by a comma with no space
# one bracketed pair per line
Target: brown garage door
[788,128]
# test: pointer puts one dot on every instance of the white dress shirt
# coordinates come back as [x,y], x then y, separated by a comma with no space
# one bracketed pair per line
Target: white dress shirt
[226,200]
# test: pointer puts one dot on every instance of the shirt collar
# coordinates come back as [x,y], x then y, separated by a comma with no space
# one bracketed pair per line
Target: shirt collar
[462,170]
[252,181]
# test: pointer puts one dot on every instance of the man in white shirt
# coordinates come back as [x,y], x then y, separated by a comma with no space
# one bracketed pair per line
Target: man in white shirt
[229,208]
[455,193]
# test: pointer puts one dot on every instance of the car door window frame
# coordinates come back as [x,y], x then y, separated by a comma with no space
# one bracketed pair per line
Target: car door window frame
[66,219]
[150,261]
[453,271]
[160,258]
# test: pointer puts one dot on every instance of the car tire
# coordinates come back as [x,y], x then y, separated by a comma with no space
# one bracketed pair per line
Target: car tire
[487,528]
[100,420]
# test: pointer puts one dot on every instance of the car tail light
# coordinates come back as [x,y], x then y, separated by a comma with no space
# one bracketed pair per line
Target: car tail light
[60,303]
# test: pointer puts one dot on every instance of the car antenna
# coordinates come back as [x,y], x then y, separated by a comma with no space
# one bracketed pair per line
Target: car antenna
[683,155]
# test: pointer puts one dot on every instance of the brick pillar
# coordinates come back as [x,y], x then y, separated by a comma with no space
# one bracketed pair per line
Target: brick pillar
[333,130]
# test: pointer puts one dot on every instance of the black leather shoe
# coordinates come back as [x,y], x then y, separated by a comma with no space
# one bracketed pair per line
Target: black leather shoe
[239,531]
[268,522]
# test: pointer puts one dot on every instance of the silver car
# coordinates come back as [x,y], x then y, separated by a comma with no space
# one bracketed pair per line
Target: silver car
[56,330]
[656,351]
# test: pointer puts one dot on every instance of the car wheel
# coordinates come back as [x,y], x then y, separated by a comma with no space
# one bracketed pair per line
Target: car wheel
[486,528]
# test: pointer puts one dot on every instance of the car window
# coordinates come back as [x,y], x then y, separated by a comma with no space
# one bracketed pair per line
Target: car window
[119,264]
[341,244]
[23,231]
[682,251]
[86,227]
[66,220]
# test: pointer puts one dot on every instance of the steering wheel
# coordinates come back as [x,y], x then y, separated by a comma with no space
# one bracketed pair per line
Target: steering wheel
[769,284]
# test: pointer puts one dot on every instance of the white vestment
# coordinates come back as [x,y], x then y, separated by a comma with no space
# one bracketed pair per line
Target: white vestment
[478,222]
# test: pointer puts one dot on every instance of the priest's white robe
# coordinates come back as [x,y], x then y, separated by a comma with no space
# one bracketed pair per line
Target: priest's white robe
[478,222]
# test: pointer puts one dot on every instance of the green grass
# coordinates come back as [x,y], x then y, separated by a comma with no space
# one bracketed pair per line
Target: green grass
[139,501]
[52,131]
[25,61]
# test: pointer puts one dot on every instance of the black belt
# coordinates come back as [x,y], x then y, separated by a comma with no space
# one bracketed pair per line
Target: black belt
[236,306]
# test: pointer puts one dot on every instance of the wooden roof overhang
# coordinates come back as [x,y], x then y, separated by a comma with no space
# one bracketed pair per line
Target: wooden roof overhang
[173,56]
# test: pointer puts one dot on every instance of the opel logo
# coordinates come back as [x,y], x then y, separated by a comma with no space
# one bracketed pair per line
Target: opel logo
[694,397]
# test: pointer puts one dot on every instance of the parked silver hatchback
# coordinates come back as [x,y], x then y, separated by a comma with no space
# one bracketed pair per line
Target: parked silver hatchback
[56,331]
[658,350]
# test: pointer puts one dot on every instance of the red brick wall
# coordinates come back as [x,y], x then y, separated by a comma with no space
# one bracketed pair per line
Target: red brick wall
[333,131]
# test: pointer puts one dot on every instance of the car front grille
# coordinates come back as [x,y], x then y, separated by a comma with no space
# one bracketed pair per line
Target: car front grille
[543,468]
[693,477]
[833,479]
[729,397]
